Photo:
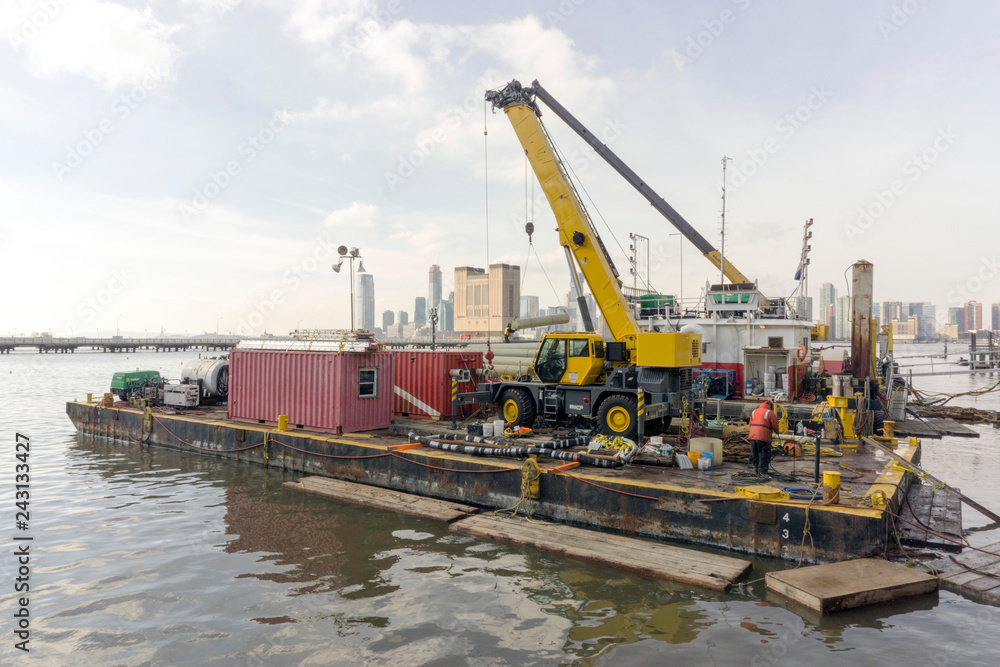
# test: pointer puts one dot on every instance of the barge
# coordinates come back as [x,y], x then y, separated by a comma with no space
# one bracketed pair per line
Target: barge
[701,507]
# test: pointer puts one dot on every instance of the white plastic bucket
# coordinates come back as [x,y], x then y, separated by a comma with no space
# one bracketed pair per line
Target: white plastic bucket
[487,429]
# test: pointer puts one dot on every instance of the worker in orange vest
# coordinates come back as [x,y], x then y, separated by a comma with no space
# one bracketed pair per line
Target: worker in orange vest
[763,425]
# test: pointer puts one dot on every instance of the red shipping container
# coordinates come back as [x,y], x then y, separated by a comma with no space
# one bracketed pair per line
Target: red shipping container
[423,380]
[327,391]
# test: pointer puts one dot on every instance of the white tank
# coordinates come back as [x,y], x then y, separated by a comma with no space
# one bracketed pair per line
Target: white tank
[213,373]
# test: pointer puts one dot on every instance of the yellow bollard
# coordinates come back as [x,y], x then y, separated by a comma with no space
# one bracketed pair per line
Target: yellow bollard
[282,422]
[90,397]
[888,428]
[831,487]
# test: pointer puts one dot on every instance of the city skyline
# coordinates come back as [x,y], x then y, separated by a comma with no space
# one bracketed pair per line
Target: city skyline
[162,132]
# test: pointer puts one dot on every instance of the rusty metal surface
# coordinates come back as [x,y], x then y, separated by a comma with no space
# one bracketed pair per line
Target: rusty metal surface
[315,389]
[861,324]
[422,380]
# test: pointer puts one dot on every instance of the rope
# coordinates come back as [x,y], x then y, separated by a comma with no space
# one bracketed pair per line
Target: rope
[206,449]
[608,488]
[530,472]
[486,186]
[329,456]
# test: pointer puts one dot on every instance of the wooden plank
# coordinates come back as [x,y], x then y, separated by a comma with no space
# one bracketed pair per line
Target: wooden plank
[385,499]
[849,584]
[934,480]
[937,509]
[979,559]
[652,559]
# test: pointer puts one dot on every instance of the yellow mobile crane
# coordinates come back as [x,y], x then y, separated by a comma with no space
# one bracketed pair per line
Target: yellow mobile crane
[580,373]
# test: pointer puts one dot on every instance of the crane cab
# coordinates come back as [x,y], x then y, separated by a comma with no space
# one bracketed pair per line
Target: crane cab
[570,358]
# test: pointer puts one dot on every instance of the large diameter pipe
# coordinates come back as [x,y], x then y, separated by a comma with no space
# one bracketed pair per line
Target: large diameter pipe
[541,321]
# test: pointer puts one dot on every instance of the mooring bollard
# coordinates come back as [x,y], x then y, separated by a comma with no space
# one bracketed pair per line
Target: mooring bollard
[454,398]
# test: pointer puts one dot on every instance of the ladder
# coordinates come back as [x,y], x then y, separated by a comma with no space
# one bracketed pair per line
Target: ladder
[550,404]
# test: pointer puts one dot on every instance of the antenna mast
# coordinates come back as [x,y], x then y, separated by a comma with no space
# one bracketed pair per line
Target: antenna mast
[722,251]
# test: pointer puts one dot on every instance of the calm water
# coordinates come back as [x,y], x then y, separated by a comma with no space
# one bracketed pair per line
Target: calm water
[153,557]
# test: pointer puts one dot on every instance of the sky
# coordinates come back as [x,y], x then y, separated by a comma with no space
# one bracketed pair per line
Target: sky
[192,165]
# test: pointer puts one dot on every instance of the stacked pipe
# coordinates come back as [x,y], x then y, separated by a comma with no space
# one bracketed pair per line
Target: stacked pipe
[554,449]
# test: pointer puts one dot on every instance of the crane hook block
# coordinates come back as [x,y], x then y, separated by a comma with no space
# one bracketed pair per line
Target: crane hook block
[529,229]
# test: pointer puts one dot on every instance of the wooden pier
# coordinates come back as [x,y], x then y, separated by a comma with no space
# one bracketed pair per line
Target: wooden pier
[384,499]
[53,344]
[974,574]
[929,509]
[849,584]
[651,559]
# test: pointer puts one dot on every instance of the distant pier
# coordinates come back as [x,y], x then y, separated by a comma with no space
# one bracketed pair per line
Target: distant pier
[45,344]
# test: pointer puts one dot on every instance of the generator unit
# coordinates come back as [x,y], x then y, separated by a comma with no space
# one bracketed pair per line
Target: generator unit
[180,395]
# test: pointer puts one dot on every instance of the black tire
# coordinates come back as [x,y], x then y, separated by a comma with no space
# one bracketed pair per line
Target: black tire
[617,417]
[517,407]
[878,422]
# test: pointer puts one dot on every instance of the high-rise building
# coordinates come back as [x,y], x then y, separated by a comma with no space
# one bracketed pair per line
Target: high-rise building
[955,316]
[973,316]
[420,311]
[843,316]
[827,295]
[892,311]
[995,317]
[403,317]
[433,287]
[529,306]
[446,316]
[388,319]
[364,301]
[486,301]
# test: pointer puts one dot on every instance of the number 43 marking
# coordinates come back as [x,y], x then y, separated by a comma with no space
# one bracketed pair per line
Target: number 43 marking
[784,533]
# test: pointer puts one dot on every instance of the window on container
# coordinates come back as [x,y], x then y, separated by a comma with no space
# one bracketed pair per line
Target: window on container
[367,382]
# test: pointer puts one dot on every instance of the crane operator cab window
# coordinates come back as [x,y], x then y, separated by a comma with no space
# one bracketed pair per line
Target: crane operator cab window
[551,360]
[579,348]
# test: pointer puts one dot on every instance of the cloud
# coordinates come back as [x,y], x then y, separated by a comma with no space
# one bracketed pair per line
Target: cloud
[318,21]
[357,215]
[390,107]
[107,42]
[426,241]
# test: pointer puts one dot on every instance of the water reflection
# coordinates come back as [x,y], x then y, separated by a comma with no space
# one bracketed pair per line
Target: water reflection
[176,558]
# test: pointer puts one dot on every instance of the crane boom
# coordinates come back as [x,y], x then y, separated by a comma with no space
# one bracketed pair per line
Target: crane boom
[576,231]
[668,211]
